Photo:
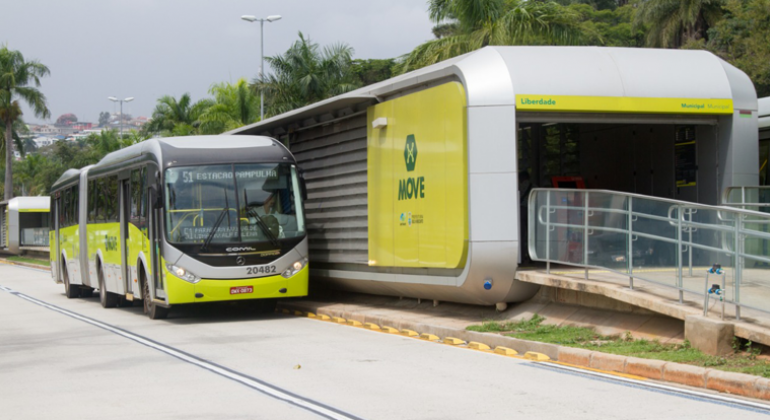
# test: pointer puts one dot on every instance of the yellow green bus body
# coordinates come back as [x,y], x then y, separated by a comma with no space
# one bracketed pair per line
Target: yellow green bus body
[180,291]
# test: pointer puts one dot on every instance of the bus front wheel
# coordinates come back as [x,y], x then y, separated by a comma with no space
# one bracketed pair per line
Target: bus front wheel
[152,310]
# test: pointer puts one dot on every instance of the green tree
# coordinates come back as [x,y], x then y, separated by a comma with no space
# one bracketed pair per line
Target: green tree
[27,170]
[18,127]
[612,27]
[493,22]
[173,117]
[133,137]
[306,74]
[743,39]
[372,71]
[104,119]
[675,23]
[235,105]
[19,79]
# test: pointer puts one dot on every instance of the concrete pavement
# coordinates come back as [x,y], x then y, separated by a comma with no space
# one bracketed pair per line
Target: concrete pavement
[370,374]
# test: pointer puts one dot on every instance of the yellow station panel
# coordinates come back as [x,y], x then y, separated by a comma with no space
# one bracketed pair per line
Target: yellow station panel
[418,179]
[560,103]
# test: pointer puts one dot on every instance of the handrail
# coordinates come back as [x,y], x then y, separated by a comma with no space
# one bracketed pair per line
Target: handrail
[667,229]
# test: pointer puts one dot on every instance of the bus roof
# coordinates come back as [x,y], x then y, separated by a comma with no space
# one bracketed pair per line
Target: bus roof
[69,176]
[181,151]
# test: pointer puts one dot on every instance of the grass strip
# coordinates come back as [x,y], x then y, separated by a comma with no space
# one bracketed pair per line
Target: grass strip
[746,358]
[28,260]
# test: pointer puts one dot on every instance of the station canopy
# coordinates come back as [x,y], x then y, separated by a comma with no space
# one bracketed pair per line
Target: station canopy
[573,79]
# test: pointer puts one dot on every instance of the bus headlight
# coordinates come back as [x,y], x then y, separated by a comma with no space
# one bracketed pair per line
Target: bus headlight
[294,269]
[183,274]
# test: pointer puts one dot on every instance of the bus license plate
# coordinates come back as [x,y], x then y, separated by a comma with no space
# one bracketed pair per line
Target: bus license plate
[239,290]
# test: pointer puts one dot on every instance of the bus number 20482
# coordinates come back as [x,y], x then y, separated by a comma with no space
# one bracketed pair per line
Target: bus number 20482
[265,269]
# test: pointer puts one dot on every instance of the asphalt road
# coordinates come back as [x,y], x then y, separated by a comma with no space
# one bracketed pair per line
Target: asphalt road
[72,359]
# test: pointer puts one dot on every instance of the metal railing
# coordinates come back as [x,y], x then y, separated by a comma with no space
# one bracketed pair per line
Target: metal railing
[748,198]
[666,242]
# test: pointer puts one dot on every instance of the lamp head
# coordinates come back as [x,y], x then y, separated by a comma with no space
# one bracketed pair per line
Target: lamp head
[129,99]
[273,18]
[112,98]
[249,18]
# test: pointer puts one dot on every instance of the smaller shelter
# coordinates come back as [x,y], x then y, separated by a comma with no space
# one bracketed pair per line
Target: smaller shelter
[24,224]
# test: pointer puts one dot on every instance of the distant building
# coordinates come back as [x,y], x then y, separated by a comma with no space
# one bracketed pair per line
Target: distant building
[80,126]
[44,141]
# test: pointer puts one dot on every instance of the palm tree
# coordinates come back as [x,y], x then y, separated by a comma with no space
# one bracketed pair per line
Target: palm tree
[17,127]
[478,23]
[306,74]
[16,76]
[674,23]
[235,106]
[176,117]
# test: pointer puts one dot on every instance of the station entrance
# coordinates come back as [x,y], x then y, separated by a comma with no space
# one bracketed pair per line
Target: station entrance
[665,157]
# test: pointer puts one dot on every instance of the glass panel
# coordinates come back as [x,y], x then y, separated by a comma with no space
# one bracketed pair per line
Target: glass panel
[34,237]
[198,199]
[92,201]
[267,197]
[245,203]
[666,238]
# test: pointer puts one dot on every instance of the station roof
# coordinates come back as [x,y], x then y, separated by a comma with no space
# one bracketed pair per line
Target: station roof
[30,204]
[496,75]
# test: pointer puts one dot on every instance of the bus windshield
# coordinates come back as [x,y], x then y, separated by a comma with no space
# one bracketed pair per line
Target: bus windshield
[235,203]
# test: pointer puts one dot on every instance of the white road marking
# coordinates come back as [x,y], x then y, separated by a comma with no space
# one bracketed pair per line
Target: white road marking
[254,383]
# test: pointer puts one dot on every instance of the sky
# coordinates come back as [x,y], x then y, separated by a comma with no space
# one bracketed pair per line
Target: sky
[150,48]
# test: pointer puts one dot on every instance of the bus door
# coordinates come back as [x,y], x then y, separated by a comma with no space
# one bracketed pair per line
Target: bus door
[124,200]
[55,252]
[155,226]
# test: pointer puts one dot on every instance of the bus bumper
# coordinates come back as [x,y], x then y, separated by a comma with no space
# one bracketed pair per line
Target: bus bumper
[209,290]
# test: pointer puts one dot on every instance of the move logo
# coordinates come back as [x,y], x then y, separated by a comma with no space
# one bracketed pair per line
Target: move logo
[410,153]
[412,187]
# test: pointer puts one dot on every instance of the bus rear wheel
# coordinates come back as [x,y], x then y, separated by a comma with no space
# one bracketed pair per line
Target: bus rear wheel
[107,299]
[71,291]
[152,310]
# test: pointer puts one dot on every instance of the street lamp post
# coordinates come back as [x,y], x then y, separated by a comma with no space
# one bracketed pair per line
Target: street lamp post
[272,18]
[114,99]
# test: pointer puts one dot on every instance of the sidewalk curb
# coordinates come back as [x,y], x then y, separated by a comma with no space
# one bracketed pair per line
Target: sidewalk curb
[731,383]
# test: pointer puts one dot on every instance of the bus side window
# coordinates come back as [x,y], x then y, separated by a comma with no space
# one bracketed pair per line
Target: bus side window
[52,206]
[65,208]
[99,200]
[112,199]
[136,194]
[75,216]
[91,201]
[143,192]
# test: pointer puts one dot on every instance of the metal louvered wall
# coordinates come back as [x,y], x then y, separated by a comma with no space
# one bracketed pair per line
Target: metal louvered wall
[333,158]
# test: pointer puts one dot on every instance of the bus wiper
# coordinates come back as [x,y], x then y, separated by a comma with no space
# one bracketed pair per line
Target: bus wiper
[218,222]
[261,223]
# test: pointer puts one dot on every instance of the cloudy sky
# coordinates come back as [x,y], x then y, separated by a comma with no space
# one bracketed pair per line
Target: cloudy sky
[150,48]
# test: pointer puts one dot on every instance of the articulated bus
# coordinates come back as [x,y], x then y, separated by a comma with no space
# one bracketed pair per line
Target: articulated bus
[182,220]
